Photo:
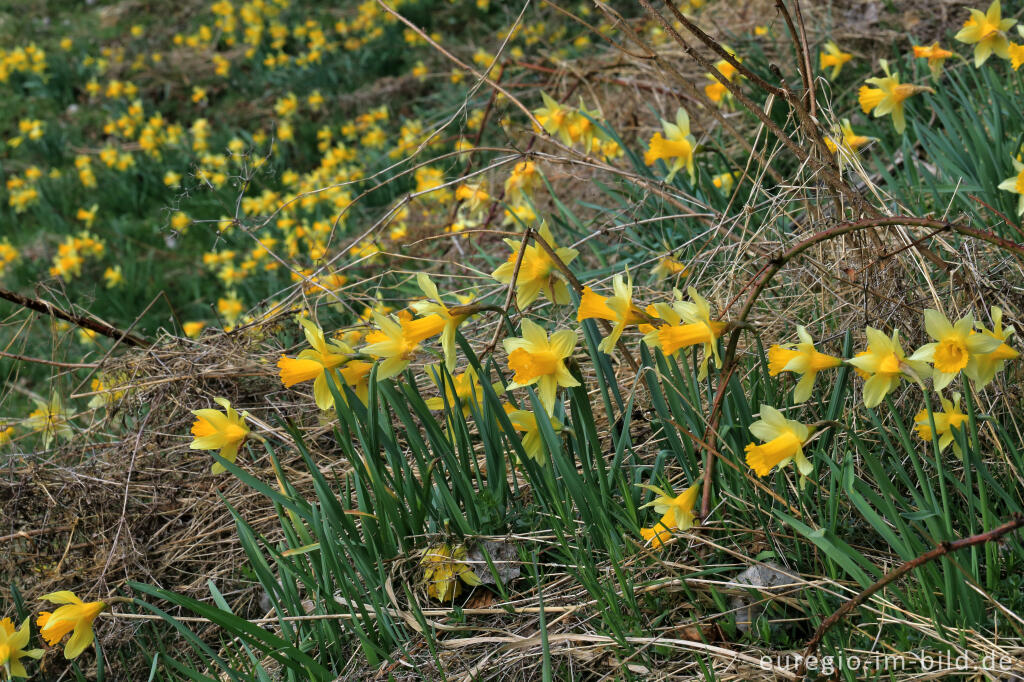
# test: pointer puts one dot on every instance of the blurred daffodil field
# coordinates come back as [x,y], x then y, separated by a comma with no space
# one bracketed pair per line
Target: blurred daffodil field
[463,339]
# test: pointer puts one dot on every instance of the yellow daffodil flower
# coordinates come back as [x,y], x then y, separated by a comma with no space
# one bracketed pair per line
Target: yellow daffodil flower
[987,32]
[525,421]
[658,534]
[113,276]
[215,430]
[888,97]
[356,374]
[74,614]
[669,266]
[537,272]
[844,142]
[956,346]
[537,360]
[935,55]
[833,58]
[12,648]
[87,216]
[435,305]
[676,148]
[474,196]
[1015,184]
[444,571]
[618,309]
[519,216]
[521,182]
[802,359]
[193,329]
[467,391]
[1016,54]
[882,365]
[687,323]
[108,390]
[314,363]
[396,342]
[782,441]
[230,308]
[716,91]
[555,118]
[677,510]
[724,181]
[50,419]
[985,366]
[581,127]
[945,422]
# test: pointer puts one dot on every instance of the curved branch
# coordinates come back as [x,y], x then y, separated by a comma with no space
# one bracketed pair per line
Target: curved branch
[940,551]
[47,308]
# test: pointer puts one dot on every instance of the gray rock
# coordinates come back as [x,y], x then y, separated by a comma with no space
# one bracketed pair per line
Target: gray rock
[504,557]
[766,577]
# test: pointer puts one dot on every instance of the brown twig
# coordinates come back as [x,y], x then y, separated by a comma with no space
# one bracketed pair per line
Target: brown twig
[942,550]
[25,534]
[828,171]
[800,44]
[48,308]
[510,294]
[715,47]
[1015,226]
[51,363]
[578,286]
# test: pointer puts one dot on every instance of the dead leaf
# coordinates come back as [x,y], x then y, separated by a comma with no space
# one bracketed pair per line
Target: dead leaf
[480,599]
[709,632]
